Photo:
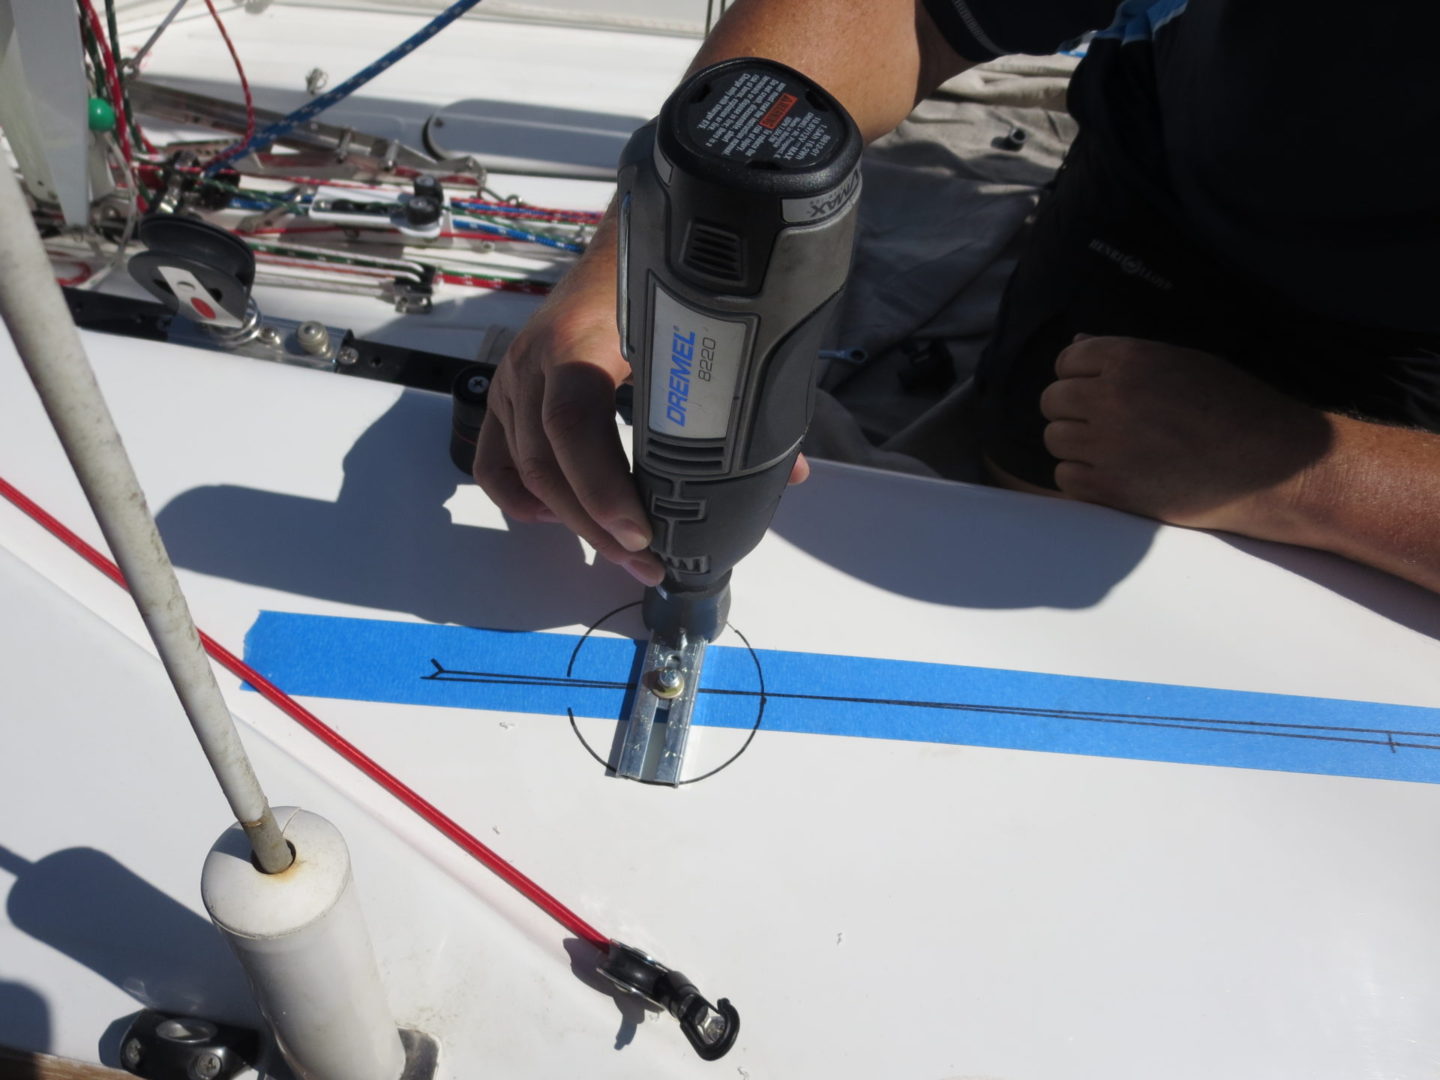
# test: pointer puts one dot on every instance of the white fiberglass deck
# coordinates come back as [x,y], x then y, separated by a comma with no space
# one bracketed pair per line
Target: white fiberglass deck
[1102,891]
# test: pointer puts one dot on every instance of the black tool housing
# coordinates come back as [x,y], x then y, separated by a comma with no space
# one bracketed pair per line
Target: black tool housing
[737,217]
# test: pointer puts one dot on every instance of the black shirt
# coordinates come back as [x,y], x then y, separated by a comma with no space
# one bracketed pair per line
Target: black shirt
[1297,141]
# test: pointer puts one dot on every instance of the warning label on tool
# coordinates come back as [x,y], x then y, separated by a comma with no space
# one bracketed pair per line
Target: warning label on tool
[783,104]
[749,115]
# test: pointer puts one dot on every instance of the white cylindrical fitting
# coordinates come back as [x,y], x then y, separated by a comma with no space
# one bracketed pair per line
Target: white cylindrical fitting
[301,938]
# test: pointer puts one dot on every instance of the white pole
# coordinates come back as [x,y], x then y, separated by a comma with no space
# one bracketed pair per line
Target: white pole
[34,309]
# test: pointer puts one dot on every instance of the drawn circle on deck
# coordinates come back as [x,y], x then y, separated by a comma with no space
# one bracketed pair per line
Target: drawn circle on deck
[758,694]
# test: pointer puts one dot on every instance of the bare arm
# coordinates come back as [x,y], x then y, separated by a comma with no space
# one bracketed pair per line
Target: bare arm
[1373,496]
[1184,437]
[549,450]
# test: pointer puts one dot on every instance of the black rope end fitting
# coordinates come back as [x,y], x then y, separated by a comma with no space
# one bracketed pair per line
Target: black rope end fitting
[710,1029]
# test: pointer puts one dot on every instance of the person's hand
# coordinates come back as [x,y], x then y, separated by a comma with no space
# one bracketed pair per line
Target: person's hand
[549,449]
[1177,435]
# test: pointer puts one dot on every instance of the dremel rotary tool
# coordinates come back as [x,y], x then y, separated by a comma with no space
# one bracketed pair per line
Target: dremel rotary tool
[737,219]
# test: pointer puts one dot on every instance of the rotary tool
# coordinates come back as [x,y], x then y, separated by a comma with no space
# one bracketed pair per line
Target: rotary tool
[736,222]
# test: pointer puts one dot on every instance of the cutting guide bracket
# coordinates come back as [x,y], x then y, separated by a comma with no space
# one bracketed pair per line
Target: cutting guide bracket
[669,680]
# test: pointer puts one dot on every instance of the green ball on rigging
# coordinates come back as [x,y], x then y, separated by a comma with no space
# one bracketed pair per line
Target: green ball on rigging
[101,115]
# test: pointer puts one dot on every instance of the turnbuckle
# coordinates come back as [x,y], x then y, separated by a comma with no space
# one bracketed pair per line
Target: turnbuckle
[711,1029]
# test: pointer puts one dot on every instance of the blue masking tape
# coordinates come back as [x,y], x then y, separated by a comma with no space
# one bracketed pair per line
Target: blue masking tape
[817,694]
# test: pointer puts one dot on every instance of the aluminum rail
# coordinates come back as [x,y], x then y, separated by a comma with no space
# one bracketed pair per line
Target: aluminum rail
[35,311]
[333,150]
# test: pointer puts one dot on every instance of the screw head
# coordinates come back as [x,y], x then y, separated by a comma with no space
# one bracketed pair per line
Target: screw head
[131,1053]
[313,337]
[348,356]
[669,683]
[206,1066]
[477,384]
[270,336]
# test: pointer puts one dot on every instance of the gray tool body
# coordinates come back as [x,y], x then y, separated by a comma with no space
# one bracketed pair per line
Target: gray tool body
[737,220]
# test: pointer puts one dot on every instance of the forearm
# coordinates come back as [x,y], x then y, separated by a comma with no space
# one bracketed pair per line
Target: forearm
[1186,438]
[1373,496]
[878,57]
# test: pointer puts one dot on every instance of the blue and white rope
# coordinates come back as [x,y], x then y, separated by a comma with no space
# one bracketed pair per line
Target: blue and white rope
[516,234]
[264,138]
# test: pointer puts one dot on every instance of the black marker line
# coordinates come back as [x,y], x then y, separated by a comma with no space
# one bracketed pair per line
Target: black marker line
[1195,723]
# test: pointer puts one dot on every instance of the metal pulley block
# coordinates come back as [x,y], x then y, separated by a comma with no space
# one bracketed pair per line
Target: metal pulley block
[202,272]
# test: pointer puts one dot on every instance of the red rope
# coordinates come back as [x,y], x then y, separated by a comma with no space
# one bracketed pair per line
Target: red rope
[321,264]
[330,737]
[239,70]
[386,236]
[534,288]
[83,272]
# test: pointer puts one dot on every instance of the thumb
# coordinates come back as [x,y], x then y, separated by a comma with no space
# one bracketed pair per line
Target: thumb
[1081,337]
[800,471]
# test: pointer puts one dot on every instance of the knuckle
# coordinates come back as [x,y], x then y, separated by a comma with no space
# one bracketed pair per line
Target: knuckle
[580,333]
[510,367]
[1128,352]
[566,417]
[499,403]
[495,478]
[537,474]
[500,492]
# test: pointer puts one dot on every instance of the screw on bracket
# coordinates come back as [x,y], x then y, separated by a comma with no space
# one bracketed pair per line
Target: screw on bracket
[160,1047]
[669,683]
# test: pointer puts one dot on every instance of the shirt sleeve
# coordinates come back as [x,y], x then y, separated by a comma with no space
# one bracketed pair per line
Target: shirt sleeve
[981,30]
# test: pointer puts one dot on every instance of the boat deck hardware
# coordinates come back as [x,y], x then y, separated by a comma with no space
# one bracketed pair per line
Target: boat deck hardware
[161,1047]
[711,1029]
[668,683]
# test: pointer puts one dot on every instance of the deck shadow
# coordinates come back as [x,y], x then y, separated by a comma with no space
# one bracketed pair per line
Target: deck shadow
[388,542]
